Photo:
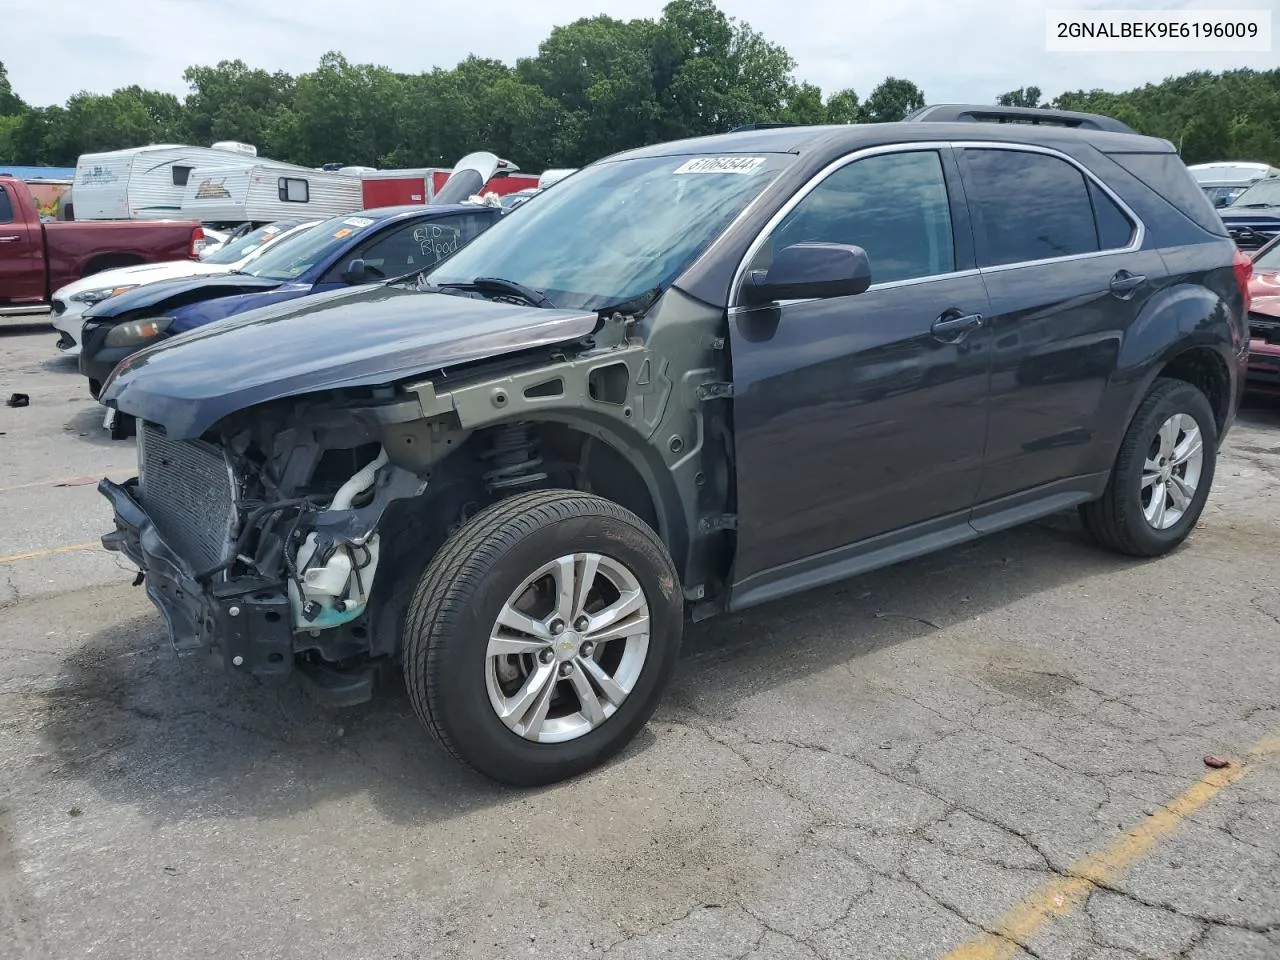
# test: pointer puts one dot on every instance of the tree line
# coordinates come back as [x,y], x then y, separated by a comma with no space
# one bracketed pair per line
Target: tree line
[595,86]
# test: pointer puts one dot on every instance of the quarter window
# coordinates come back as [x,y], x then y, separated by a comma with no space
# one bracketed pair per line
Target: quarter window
[1032,206]
[6,207]
[294,190]
[893,205]
[1115,231]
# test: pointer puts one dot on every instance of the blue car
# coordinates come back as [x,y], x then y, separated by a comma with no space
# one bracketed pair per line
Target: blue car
[347,250]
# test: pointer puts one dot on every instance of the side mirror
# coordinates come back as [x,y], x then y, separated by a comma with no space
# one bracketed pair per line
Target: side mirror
[355,273]
[805,271]
[1220,202]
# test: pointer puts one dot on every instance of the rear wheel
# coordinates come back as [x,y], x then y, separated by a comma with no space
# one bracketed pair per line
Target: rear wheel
[541,636]
[1162,474]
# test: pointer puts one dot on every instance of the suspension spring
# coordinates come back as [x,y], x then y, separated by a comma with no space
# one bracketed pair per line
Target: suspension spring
[512,459]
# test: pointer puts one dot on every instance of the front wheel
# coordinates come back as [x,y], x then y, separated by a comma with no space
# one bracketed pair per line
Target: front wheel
[1162,474]
[541,636]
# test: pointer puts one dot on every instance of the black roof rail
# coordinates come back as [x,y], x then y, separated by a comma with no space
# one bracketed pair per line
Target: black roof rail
[762,126]
[973,113]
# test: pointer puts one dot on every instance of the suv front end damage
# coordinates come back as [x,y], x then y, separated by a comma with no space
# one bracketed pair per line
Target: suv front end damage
[263,558]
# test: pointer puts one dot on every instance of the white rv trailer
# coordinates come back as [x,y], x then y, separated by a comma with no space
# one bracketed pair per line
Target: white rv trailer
[266,191]
[145,183]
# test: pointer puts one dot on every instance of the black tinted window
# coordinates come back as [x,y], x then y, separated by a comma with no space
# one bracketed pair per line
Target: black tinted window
[421,244]
[439,238]
[6,207]
[181,175]
[894,206]
[1167,175]
[1114,228]
[1032,206]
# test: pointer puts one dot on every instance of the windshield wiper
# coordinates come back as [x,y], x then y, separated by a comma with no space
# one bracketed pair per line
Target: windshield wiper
[499,285]
[635,306]
[1254,206]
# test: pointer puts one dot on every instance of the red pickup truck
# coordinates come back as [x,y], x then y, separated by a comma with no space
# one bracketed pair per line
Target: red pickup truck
[37,258]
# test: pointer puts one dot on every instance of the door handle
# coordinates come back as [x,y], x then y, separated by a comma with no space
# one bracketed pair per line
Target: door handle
[9,239]
[953,324]
[1124,284]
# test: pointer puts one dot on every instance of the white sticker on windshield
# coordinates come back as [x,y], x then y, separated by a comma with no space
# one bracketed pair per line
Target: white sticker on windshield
[721,165]
[357,221]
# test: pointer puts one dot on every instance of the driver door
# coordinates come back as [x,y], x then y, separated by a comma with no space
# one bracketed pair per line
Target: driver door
[860,420]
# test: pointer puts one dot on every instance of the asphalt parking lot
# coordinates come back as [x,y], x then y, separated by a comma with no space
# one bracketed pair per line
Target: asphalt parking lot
[997,751]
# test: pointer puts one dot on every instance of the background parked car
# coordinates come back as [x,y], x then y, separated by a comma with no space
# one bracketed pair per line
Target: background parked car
[70,302]
[344,251]
[37,258]
[1224,182]
[1254,217]
[1266,270]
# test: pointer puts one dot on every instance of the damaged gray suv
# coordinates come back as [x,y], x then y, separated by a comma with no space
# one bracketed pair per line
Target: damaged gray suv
[690,379]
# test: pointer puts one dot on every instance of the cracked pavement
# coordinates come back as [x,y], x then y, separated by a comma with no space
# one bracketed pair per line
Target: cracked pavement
[883,769]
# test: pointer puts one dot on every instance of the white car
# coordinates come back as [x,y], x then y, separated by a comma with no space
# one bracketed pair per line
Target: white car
[71,302]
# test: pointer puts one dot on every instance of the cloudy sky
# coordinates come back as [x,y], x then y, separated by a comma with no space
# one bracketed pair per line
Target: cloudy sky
[956,50]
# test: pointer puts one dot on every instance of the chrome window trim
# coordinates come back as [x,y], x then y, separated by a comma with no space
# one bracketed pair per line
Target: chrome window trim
[812,184]
[1135,243]
[1136,239]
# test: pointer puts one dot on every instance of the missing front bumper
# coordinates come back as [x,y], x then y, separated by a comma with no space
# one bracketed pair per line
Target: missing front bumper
[244,623]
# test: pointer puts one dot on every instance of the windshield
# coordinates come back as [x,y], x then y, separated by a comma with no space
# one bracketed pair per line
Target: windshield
[295,255]
[1265,193]
[1268,258]
[616,230]
[241,247]
[1223,195]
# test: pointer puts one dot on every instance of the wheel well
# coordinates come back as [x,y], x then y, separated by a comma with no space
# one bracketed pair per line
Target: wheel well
[494,463]
[1204,369]
[593,466]
[109,262]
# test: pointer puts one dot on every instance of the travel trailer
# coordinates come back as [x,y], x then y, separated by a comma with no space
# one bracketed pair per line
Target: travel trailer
[266,191]
[145,183]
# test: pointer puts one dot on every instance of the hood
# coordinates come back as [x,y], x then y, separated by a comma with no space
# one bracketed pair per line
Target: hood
[1264,283]
[1266,307]
[469,174]
[364,336]
[171,294]
[142,273]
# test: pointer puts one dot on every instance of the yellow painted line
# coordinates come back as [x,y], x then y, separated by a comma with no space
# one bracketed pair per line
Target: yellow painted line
[1060,896]
[71,548]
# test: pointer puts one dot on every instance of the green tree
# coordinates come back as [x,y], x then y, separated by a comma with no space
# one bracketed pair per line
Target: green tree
[342,112]
[892,100]
[1022,97]
[231,101]
[843,107]
[721,72]
[601,72]
[11,104]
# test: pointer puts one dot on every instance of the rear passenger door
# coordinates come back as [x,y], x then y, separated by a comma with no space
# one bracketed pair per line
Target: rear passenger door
[1064,265]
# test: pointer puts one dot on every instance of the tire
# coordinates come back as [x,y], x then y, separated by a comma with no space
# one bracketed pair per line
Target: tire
[453,676]
[95,388]
[1119,521]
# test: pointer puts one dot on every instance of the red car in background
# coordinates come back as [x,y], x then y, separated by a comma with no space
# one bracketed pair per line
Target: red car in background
[1264,320]
[37,258]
